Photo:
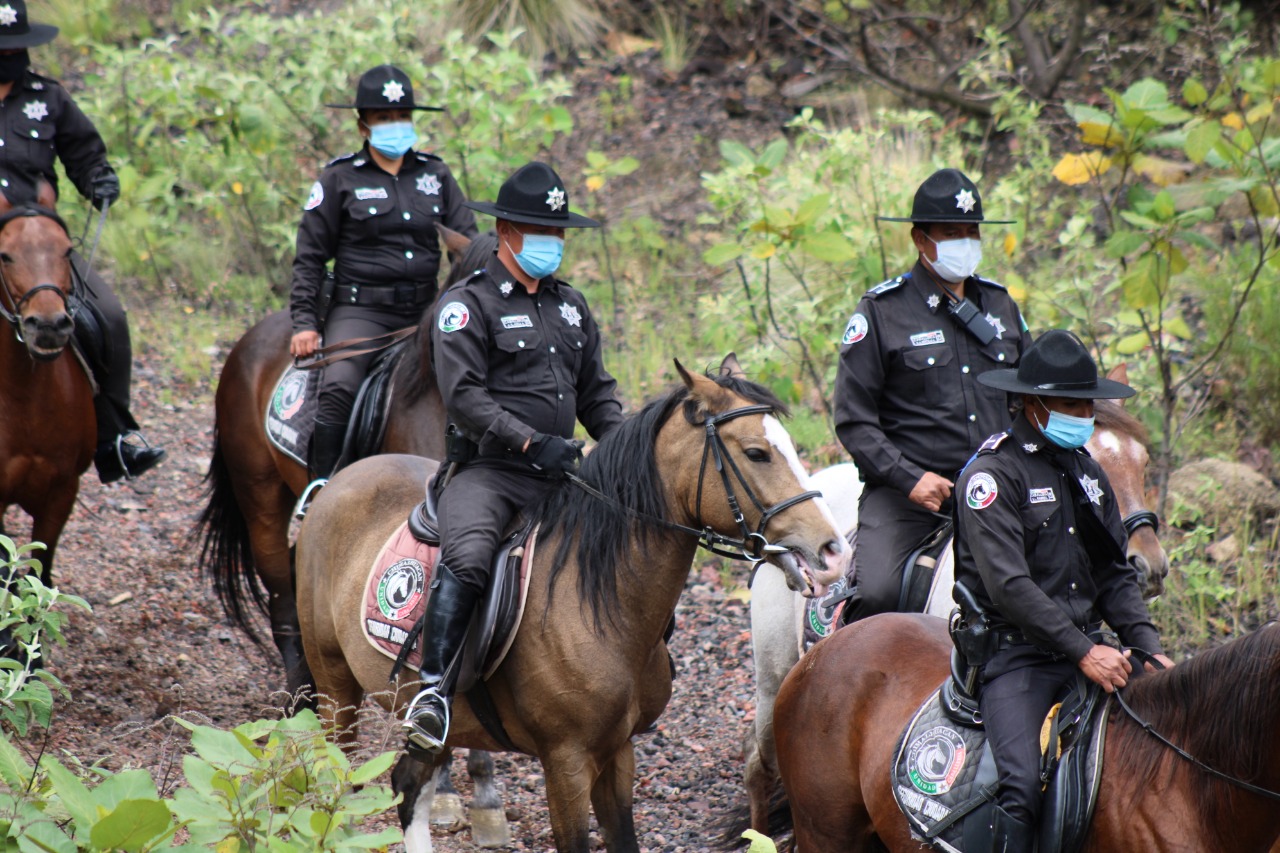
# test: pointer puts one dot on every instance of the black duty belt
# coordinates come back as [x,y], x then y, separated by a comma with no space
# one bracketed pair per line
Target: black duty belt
[383,295]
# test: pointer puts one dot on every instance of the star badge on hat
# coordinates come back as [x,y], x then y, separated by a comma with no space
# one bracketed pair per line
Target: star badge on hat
[393,91]
[8,17]
[555,198]
[965,201]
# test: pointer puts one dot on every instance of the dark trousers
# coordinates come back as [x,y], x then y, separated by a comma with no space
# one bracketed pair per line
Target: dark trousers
[1014,705]
[474,510]
[341,381]
[110,358]
[890,527]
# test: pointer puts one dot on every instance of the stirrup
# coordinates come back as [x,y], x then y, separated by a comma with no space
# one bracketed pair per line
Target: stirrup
[119,450]
[307,496]
[418,739]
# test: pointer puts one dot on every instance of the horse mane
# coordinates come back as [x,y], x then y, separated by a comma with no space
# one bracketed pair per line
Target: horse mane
[1110,415]
[414,374]
[1221,707]
[597,534]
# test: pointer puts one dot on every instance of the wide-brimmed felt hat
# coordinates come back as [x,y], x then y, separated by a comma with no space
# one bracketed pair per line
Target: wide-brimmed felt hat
[16,29]
[1057,364]
[946,196]
[534,194]
[384,88]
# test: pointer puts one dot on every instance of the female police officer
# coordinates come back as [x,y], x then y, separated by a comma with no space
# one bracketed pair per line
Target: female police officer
[373,214]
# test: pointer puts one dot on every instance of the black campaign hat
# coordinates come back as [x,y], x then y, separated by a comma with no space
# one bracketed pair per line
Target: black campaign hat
[16,29]
[534,194]
[1057,364]
[384,88]
[946,196]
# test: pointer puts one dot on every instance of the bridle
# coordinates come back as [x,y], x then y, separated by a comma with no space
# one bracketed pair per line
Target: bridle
[1142,518]
[13,314]
[752,545]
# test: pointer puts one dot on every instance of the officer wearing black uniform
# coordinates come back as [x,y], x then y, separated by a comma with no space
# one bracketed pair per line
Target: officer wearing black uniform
[373,214]
[38,123]
[908,406]
[518,358]
[1041,546]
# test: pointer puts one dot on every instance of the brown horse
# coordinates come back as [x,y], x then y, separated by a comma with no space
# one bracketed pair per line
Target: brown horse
[843,707]
[588,667]
[47,427]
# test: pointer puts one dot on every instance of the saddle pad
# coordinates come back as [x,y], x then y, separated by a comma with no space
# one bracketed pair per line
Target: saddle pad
[291,414]
[396,592]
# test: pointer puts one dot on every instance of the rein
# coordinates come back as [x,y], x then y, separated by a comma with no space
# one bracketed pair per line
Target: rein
[343,350]
[753,545]
[12,315]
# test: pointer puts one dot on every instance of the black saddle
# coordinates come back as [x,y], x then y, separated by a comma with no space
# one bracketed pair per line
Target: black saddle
[367,426]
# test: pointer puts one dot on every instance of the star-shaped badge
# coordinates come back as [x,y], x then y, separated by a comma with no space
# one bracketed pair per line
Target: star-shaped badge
[997,324]
[393,91]
[506,288]
[555,198]
[933,301]
[1030,448]
[1091,489]
[965,201]
[35,110]
[8,17]
[429,184]
[570,314]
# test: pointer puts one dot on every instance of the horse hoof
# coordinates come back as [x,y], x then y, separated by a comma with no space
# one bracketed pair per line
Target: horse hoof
[489,828]
[447,813]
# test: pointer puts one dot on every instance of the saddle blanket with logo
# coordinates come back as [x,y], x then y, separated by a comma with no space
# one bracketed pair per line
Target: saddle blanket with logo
[291,414]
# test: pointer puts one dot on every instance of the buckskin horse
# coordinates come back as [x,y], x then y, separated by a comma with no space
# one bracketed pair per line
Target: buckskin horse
[587,669]
[1119,443]
[842,709]
[47,427]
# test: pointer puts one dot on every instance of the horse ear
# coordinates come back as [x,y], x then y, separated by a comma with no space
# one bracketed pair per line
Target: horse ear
[1119,373]
[455,241]
[708,394]
[731,367]
[45,196]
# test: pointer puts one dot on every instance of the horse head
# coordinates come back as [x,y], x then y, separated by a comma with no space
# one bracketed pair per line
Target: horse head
[35,274]
[1119,443]
[750,482]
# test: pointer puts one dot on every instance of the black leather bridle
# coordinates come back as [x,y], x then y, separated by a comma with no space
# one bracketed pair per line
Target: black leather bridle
[1142,518]
[69,301]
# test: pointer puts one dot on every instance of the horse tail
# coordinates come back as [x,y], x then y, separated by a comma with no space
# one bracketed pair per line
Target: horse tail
[225,553]
[727,828]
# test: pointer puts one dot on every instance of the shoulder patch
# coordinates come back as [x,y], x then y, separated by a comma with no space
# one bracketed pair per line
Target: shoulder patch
[855,331]
[993,442]
[316,197]
[453,317]
[886,286]
[982,491]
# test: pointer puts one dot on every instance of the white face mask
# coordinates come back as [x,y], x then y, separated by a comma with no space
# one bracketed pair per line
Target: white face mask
[957,259]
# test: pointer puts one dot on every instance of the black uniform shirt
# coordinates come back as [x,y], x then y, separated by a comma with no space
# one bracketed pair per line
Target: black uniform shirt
[377,228]
[907,397]
[510,363]
[38,122]
[1024,544]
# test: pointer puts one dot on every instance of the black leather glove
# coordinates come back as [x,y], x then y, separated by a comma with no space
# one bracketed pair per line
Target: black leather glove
[554,455]
[105,187]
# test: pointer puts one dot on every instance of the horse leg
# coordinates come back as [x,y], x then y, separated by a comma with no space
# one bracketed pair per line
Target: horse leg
[446,806]
[775,649]
[488,816]
[611,797]
[416,781]
[570,774]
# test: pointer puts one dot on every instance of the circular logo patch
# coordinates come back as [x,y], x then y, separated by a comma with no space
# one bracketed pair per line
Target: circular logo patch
[317,196]
[453,317]
[935,759]
[982,491]
[855,331]
[290,396]
[401,588]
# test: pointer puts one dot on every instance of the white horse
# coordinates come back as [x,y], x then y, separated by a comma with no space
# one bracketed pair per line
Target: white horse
[1119,443]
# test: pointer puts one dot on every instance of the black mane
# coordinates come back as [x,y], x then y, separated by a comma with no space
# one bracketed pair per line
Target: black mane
[596,534]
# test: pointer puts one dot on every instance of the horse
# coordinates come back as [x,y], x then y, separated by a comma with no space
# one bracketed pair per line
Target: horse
[1119,443]
[840,712]
[47,427]
[587,668]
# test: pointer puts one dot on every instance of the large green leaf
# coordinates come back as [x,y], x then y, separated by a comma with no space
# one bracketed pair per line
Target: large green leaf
[373,768]
[14,769]
[736,153]
[131,825]
[1146,94]
[829,246]
[1123,243]
[79,801]
[125,785]
[1200,140]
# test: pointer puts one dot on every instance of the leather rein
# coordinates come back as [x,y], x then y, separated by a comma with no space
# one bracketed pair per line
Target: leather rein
[12,315]
[752,545]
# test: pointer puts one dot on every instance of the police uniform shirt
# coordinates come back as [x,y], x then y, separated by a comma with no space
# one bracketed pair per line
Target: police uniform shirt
[38,123]
[1029,515]
[907,397]
[379,229]
[510,363]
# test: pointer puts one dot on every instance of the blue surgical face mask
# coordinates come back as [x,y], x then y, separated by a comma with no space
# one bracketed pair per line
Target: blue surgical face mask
[393,139]
[1067,430]
[540,255]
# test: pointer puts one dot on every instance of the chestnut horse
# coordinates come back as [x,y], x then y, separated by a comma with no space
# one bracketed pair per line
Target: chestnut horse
[588,668]
[840,712]
[47,427]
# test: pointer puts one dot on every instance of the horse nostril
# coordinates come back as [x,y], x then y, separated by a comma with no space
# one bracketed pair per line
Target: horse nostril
[63,325]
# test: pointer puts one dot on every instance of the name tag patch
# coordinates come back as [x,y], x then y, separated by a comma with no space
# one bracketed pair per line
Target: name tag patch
[924,339]
[517,321]
[1042,496]
[366,193]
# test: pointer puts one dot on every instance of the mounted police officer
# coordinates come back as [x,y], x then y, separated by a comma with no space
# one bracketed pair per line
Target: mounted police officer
[373,214]
[518,358]
[38,122]
[1041,547]
[908,406]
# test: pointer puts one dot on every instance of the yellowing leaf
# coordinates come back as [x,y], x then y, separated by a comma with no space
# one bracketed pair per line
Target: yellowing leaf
[1162,172]
[187,309]
[759,843]
[1100,135]
[144,255]
[237,188]
[1233,121]
[762,251]
[1010,244]
[595,182]
[1258,113]
[1075,169]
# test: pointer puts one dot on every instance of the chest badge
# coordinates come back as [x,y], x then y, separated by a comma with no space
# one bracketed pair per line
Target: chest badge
[366,193]
[429,185]
[1091,489]
[997,324]
[506,288]
[1030,447]
[36,110]
[933,301]
[982,491]
[570,314]
[1042,496]
[517,321]
[924,339]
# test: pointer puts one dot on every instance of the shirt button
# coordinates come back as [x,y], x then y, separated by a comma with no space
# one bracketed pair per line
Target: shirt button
[1075,586]
[1,143]
[522,344]
[1000,357]
[408,254]
[964,369]
[34,134]
[373,210]
[4,182]
[406,214]
[972,418]
[436,208]
[560,396]
[1070,530]
[553,349]
[932,359]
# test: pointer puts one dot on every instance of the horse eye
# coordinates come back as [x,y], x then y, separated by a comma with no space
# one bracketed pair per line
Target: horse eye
[755,454]
[6,258]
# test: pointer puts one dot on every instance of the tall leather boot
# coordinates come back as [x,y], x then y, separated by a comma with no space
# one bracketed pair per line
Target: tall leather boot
[323,454]
[116,456]
[426,723]
[1010,835]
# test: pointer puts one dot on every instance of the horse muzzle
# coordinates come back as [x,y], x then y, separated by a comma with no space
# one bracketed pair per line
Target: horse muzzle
[809,574]
[46,337]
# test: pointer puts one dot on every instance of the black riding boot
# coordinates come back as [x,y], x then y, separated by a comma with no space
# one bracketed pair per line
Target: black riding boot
[1010,835]
[323,454]
[426,723]
[116,456]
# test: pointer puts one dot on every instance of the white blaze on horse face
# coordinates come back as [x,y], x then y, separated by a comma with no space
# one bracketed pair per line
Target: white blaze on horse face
[778,436]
